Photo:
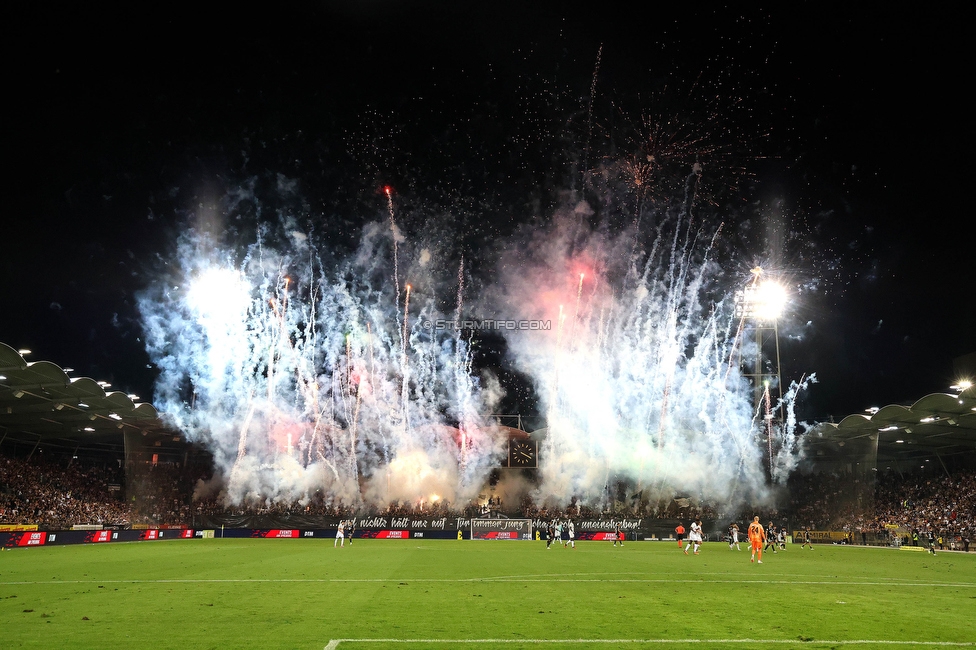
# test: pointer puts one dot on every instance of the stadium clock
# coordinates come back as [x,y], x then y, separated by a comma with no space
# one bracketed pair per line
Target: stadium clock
[522,453]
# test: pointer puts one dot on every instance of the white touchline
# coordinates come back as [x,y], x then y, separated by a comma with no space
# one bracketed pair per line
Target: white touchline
[490,580]
[334,643]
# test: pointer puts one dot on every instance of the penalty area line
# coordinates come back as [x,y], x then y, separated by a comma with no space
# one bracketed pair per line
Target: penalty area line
[334,643]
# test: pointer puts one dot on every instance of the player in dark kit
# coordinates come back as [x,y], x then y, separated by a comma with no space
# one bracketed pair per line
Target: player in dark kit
[806,538]
[680,532]
[770,537]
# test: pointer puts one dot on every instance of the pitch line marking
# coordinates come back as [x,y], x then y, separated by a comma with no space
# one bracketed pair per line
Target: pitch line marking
[854,583]
[334,643]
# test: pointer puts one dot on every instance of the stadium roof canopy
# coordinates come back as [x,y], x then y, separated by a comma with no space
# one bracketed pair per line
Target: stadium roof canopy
[40,402]
[939,424]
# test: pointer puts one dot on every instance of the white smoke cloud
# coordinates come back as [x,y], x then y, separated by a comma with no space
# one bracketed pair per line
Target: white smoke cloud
[313,379]
[305,379]
[639,374]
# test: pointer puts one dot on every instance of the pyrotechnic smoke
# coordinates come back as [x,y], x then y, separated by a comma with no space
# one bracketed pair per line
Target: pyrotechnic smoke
[639,374]
[312,379]
[310,373]
[306,377]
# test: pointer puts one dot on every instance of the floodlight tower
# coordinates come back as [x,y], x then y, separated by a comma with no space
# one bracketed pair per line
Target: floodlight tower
[759,306]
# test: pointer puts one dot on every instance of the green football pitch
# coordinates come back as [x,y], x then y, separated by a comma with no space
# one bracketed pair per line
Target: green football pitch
[222,593]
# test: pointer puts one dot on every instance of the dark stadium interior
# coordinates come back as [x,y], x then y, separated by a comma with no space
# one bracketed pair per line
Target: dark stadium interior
[115,132]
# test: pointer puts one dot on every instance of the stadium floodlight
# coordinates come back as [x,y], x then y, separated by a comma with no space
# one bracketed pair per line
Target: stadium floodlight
[765,301]
[771,300]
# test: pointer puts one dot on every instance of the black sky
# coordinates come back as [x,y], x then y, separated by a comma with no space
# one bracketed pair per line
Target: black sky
[116,119]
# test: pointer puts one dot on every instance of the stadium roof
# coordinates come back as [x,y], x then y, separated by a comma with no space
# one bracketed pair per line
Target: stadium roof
[40,402]
[941,423]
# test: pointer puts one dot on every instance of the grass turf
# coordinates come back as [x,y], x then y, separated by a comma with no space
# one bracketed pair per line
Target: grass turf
[305,593]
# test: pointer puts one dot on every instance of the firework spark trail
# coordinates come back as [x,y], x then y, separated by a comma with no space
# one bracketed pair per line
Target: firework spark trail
[257,350]
[787,458]
[648,397]
[572,332]
[394,232]
[318,359]
[404,365]
[462,369]
[768,421]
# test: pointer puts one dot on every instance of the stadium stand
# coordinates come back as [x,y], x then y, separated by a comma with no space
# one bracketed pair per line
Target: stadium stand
[56,494]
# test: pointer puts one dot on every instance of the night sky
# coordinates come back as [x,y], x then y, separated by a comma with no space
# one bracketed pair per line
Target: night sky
[851,123]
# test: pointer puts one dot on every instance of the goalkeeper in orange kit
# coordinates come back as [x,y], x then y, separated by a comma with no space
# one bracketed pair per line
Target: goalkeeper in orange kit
[757,536]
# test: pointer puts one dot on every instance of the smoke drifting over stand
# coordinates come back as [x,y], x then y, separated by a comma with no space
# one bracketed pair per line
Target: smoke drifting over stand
[306,375]
[639,379]
[312,374]
[312,368]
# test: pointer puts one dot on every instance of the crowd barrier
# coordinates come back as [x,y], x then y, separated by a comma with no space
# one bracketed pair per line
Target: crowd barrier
[378,527]
[296,527]
[27,538]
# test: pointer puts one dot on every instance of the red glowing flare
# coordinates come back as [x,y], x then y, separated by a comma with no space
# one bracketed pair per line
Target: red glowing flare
[586,269]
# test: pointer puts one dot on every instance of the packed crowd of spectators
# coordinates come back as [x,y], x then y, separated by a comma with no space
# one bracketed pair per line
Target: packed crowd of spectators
[161,494]
[896,508]
[59,494]
[936,507]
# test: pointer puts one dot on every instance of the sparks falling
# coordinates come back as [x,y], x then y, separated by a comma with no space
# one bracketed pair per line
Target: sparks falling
[308,382]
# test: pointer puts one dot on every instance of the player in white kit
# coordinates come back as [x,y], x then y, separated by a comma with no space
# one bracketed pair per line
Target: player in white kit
[734,537]
[695,536]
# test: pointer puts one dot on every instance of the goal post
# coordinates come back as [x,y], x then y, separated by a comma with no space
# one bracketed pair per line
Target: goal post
[501,529]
